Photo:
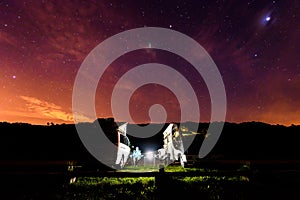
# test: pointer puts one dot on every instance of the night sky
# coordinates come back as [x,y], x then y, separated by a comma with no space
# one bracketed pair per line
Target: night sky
[255,44]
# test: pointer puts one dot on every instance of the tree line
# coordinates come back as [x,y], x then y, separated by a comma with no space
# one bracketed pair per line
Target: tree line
[248,140]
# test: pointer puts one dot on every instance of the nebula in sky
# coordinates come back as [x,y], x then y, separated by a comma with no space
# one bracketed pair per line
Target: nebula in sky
[255,45]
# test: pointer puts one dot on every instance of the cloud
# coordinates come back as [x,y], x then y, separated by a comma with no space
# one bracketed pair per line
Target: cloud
[37,111]
[46,109]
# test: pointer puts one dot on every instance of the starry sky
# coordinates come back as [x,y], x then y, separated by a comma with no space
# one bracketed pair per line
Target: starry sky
[254,43]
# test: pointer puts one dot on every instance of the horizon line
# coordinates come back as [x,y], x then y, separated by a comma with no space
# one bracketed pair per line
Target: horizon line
[142,123]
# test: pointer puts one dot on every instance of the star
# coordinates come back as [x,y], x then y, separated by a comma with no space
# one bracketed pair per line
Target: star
[266,19]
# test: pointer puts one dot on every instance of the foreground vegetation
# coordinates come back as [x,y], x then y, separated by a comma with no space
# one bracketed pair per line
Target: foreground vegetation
[163,186]
[112,188]
[208,187]
[145,188]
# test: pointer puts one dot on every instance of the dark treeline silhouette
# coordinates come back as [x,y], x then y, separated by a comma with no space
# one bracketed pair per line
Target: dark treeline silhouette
[249,140]
[257,140]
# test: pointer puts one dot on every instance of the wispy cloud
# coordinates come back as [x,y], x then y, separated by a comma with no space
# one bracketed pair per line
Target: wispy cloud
[46,109]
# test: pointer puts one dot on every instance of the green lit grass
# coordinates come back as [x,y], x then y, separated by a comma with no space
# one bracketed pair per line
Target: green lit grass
[139,169]
[169,168]
[112,188]
[210,187]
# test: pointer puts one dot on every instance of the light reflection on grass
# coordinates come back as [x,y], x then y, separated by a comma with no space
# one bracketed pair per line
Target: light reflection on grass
[212,187]
[169,168]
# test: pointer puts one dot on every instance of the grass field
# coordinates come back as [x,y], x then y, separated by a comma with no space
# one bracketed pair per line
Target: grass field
[208,187]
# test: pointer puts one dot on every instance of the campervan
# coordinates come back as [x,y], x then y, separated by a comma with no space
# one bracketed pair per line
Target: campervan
[173,149]
[123,146]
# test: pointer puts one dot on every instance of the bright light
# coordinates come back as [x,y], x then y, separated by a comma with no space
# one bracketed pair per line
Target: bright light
[268,19]
[149,157]
[149,154]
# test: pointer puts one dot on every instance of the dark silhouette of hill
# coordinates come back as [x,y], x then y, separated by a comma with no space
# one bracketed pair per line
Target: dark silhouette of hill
[257,140]
[248,140]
